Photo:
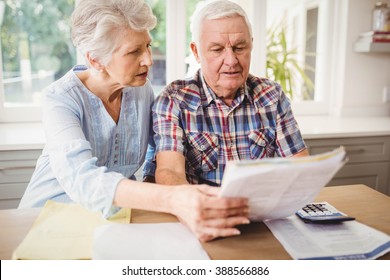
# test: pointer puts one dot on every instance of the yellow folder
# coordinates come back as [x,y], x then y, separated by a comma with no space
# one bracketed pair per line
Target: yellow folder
[64,232]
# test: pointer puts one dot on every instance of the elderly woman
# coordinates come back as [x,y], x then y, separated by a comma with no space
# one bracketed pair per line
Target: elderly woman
[97,118]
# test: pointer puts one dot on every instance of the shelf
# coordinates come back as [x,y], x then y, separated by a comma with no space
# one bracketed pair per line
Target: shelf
[372,47]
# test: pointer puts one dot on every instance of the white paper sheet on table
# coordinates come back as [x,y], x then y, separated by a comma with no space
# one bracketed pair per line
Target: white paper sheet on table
[160,241]
[278,187]
[348,240]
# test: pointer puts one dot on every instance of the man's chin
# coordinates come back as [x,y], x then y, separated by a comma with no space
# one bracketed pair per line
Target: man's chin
[232,86]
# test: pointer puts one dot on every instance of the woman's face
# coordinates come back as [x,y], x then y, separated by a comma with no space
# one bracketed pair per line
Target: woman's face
[130,62]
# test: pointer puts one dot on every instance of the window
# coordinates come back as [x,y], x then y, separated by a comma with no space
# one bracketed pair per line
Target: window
[297,52]
[158,71]
[307,33]
[36,48]
[172,58]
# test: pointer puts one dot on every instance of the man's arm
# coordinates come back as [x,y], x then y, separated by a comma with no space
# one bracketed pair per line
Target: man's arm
[170,168]
[302,153]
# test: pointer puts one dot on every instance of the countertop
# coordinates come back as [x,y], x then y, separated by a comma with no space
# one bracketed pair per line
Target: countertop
[25,136]
[320,127]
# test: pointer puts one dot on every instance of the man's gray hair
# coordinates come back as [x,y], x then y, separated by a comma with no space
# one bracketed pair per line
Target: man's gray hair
[216,9]
[98,25]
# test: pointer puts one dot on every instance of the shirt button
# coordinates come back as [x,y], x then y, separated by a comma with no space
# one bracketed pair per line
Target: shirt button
[203,147]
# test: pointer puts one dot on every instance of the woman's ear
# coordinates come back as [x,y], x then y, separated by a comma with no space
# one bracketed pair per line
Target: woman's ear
[94,62]
[194,49]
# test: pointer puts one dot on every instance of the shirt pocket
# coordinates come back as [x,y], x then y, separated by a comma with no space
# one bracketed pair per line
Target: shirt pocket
[261,143]
[202,153]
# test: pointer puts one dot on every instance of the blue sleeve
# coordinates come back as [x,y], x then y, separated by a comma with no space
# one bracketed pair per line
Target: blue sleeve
[150,162]
[149,168]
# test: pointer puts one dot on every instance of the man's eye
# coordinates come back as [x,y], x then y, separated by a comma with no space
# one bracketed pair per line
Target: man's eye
[216,50]
[238,49]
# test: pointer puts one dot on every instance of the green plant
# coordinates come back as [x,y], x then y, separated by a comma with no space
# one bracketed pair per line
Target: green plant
[283,65]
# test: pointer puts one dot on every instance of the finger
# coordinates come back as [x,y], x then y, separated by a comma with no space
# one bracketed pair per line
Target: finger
[224,213]
[221,223]
[210,233]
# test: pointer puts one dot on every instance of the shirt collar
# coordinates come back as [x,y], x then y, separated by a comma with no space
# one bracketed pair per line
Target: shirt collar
[210,96]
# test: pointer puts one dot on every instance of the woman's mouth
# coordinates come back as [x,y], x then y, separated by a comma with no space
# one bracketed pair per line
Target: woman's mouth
[143,74]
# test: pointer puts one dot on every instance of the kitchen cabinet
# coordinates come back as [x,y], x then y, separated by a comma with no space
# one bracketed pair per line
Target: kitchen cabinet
[16,168]
[368,160]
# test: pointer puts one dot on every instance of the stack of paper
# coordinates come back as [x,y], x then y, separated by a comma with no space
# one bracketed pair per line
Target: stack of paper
[160,241]
[348,240]
[278,187]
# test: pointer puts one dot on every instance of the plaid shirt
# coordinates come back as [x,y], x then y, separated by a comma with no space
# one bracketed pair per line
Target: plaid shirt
[189,118]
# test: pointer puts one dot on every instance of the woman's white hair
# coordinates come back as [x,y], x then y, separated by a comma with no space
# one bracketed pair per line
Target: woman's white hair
[97,25]
[216,9]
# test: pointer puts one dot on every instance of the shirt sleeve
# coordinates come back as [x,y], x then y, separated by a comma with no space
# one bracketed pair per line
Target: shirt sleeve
[168,134]
[70,156]
[149,168]
[289,140]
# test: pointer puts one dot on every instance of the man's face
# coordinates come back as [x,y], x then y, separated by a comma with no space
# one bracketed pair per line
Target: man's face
[224,53]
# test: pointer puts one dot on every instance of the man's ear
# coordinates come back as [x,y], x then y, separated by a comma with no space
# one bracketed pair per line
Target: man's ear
[194,50]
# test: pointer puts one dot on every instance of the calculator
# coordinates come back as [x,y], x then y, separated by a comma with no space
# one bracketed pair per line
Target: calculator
[322,213]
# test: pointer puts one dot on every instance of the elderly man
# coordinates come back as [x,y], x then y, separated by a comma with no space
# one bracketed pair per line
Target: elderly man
[222,113]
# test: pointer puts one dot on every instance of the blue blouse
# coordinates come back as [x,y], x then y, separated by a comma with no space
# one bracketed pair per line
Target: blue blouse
[86,152]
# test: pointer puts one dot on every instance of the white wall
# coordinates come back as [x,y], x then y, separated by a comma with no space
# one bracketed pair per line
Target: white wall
[365,74]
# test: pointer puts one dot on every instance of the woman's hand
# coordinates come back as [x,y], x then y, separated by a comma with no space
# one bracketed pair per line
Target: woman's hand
[207,215]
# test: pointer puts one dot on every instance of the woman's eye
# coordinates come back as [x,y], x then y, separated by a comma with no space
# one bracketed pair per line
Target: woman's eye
[133,52]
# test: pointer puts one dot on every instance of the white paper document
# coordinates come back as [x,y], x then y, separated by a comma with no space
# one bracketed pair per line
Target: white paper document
[160,241]
[349,240]
[278,187]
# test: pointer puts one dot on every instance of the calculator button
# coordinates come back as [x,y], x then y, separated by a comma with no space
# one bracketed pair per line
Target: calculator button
[322,213]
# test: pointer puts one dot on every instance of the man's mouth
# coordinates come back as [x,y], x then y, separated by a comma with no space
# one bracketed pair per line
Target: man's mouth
[231,73]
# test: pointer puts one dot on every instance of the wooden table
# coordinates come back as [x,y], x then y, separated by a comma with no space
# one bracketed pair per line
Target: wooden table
[255,242]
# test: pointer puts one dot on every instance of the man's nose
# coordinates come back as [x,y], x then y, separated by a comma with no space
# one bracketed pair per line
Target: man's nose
[230,56]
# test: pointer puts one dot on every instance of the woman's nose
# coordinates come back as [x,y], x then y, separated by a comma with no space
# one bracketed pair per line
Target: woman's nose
[147,59]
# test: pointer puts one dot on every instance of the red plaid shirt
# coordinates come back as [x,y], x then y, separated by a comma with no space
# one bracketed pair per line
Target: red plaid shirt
[189,118]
